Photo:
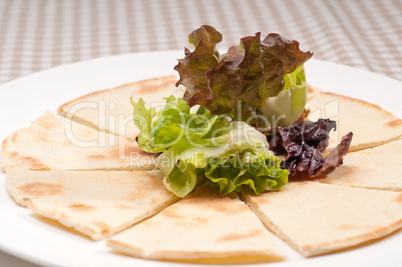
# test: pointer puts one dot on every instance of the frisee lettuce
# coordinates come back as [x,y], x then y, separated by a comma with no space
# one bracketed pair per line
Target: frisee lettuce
[199,147]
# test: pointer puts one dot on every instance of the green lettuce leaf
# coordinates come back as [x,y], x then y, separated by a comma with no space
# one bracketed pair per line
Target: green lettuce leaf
[238,82]
[203,147]
[172,125]
[286,107]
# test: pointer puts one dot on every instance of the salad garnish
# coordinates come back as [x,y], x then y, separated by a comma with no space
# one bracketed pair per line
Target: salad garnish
[252,79]
[199,146]
[301,146]
[255,85]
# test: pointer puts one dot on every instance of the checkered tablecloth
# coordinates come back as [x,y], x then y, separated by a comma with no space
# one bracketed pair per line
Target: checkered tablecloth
[40,34]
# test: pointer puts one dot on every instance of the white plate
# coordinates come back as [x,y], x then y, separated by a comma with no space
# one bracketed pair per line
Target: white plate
[25,235]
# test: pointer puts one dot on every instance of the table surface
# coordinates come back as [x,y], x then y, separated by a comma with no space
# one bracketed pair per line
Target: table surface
[41,34]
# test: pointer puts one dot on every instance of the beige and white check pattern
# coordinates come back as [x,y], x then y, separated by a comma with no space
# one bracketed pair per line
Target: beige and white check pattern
[40,34]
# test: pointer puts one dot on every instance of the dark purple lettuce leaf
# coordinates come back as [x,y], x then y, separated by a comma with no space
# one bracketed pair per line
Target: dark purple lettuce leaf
[239,81]
[301,146]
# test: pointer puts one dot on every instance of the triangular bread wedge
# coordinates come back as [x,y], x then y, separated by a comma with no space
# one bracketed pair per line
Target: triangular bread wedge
[203,225]
[111,110]
[56,143]
[376,168]
[317,218]
[312,92]
[370,124]
[95,203]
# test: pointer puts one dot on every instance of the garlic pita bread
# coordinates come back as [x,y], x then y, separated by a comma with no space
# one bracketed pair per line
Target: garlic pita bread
[203,225]
[95,203]
[374,168]
[370,124]
[55,143]
[317,218]
[111,110]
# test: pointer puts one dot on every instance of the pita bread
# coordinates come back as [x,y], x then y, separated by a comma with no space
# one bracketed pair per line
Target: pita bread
[370,124]
[312,92]
[203,225]
[317,218]
[55,143]
[375,168]
[95,203]
[111,110]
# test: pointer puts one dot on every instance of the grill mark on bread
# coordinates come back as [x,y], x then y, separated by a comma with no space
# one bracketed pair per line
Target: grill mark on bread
[236,236]
[122,206]
[14,137]
[171,213]
[34,163]
[39,189]
[394,123]
[95,156]
[103,227]
[81,207]
[398,198]
[346,227]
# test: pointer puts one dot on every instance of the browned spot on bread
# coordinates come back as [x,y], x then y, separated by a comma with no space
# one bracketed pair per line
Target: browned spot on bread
[310,88]
[103,227]
[398,198]
[138,151]
[155,87]
[14,137]
[122,206]
[394,123]
[237,236]
[346,227]
[115,243]
[171,213]
[5,141]
[96,156]
[261,199]
[129,153]
[39,189]
[14,154]
[227,208]
[190,222]
[34,163]
[81,207]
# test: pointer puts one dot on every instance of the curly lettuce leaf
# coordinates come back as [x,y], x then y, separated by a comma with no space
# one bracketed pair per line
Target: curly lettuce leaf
[192,68]
[171,125]
[238,158]
[239,81]
[301,145]
[200,147]
[258,173]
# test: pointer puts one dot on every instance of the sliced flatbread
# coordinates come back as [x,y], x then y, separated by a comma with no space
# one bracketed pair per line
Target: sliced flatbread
[95,203]
[204,225]
[370,124]
[376,168]
[56,143]
[111,110]
[312,92]
[317,218]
